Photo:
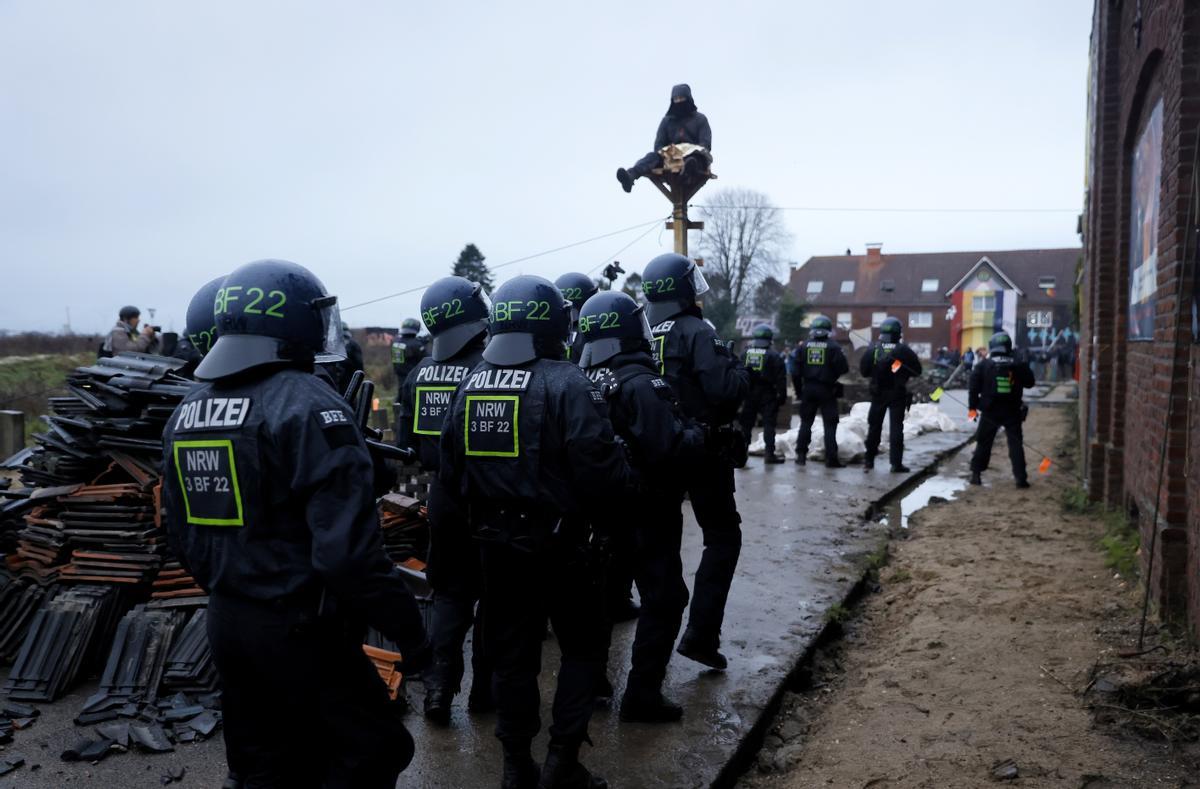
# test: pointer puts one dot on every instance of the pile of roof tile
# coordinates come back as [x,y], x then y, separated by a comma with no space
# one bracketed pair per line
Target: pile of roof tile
[20,598]
[65,636]
[405,527]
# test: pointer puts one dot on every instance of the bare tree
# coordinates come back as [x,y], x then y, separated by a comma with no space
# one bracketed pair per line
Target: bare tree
[743,243]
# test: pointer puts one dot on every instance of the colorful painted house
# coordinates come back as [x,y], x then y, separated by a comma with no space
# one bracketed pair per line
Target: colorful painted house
[982,303]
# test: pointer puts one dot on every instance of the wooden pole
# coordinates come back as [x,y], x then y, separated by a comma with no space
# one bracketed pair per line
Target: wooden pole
[12,433]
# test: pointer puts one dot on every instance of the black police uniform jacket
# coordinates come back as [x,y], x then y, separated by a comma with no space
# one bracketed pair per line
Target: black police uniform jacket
[267,492]
[819,364]
[996,386]
[646,415]
[536,436]
[767,373]
[877,366]
[425,400]
[406,352]
[708,380]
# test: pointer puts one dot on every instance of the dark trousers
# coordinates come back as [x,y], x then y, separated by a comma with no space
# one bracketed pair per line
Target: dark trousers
[768,407]
[809,408]
[892,405]
[694,166]
[522,589]
[303,706]
[456,575]
[986,434]
[710,487]
[658,571]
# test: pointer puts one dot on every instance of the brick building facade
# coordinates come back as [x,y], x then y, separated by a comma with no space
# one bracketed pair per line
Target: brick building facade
[951,299]
[1138,286]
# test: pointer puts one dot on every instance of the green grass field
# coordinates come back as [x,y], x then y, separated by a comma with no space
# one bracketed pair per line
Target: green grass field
[27,383]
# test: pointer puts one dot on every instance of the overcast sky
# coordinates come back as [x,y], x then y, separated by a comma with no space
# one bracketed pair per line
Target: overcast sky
[146,147]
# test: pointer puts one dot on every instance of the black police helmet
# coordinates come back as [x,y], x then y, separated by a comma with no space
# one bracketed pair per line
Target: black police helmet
[1000,343]
[576,288]
[272,311]
[129,312]
[529,319]
[762,336]
[201,329]
[672,283]
[890,329]
[409,327]
[455,311]
[820,327]
[612,322]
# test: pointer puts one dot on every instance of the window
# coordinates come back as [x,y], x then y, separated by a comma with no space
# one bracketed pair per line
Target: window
[888,285]
[1047,283]
[985,303]
[816,286]
[929,286]
[877,318]
[844,320]
[920,320]
[923,350]
[847,286]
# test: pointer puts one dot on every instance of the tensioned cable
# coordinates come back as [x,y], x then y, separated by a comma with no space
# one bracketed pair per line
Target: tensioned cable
[512,262]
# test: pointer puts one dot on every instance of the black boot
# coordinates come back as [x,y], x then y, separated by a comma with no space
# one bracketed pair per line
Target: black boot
[520,770]
[702,650]
[771,458]
[900,468]
[1022,483]
[649,708]
[976,479]
[801,460]
[562,770]
[626,178]
[437,706]
[868,463]
[835,463]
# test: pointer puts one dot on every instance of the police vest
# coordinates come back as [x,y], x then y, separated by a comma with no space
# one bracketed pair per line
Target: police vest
[814,361]
[433,393]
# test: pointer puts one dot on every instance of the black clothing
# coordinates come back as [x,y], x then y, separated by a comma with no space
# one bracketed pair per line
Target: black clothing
[889,395]
[996,387]
[351,364]
[453,570]
[768,389]
[266,488]
[683,123]
[406,353]
[302,704]
[575,347]
[710,384]
[646,415]
[530,452]
[818,366]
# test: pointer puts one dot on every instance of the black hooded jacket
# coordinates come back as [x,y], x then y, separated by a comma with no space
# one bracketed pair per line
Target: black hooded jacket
[683,123]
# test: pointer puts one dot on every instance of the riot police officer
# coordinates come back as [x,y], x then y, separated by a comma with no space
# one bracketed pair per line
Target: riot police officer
[268,502]
[819,362]
[768,388]
[647,416]
[888,364]
[200,331]
[529,450]
[710,384]
[455,311]
[407,349]
[997,383]
[576,288]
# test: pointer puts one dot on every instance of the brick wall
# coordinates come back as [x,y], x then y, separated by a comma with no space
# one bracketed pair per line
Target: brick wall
[1144,51]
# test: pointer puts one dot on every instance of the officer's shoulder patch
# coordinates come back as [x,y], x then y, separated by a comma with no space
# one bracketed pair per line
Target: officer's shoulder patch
[596,395]
[659,383]
[337,425]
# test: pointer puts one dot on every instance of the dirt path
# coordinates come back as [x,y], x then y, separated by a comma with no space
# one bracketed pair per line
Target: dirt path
[962,667]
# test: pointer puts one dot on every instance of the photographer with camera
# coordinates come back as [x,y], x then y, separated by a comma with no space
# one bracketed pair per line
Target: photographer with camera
[125,337]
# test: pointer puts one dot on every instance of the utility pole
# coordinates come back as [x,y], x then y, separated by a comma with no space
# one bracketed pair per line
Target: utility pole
[669,179]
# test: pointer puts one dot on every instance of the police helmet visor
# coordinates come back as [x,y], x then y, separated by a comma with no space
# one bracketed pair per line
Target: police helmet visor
[699,283]
[600,350]
[334,347]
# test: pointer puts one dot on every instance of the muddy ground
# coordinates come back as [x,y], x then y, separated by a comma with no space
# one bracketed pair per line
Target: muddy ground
[980,656]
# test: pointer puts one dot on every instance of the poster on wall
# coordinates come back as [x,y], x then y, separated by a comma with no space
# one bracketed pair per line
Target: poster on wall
[1143,227]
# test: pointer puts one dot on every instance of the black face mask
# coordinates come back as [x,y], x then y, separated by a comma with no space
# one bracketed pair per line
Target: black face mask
[682,109]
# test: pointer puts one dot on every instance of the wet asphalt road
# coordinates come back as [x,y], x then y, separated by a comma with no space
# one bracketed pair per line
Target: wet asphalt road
[805,537]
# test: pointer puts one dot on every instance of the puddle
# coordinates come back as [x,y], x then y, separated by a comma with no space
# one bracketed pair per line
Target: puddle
[945,487]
